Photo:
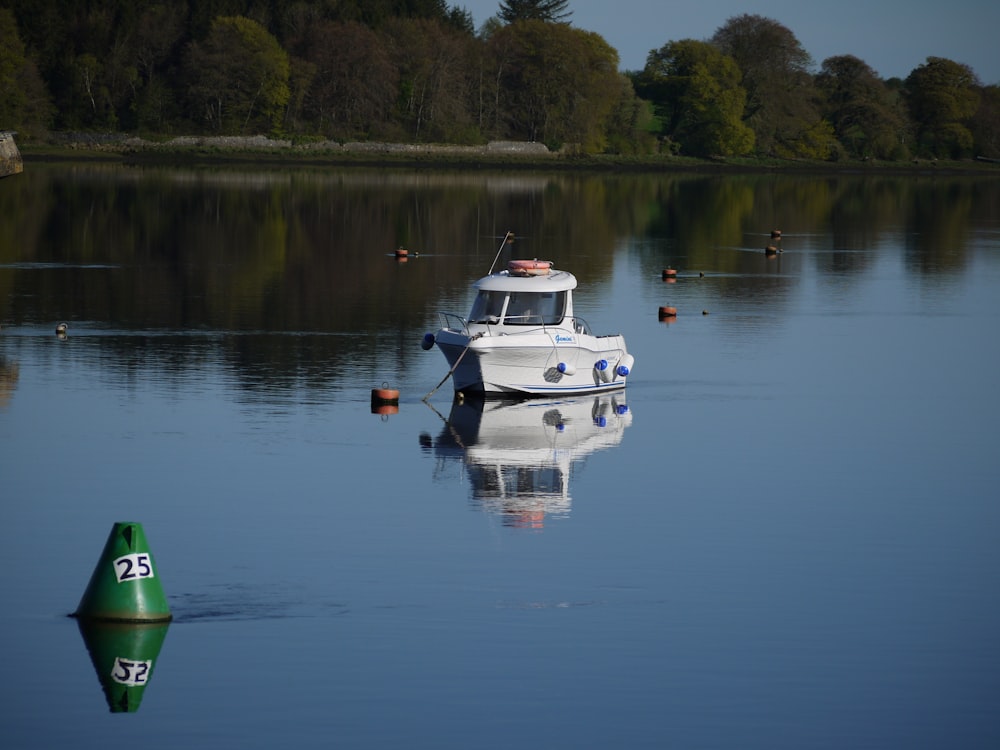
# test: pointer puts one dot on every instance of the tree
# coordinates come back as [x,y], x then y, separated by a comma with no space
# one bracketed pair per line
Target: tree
[781,103]
[698,97]
[461,20]
[554,84]
[630,125]
[24,101]
[985,124]
[860,108]
[534,10]
[943,97]
[431,60]
[239,77]
[353,83]
[94,76]
[156,37]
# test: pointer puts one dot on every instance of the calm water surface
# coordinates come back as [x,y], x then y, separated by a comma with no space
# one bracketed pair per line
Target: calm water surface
[785,534]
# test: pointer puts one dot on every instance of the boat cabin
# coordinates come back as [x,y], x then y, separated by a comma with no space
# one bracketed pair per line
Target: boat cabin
[506,299]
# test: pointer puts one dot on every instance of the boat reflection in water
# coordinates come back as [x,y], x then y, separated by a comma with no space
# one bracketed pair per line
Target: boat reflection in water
[519,455]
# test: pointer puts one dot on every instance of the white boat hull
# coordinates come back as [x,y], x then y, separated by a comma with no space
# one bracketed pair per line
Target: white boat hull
[529,363]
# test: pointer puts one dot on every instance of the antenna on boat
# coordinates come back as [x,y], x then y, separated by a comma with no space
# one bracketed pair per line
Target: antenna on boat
[509,236]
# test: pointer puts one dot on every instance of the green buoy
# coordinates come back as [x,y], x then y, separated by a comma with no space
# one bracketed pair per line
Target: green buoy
[125,586]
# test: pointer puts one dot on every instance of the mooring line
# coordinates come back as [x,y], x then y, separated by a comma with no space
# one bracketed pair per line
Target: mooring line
[453,367]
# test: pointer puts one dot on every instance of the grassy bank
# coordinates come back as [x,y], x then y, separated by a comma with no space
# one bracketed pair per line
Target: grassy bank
[459,158]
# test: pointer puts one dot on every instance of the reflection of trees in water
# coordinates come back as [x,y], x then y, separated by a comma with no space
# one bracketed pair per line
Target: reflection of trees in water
[944,213]
[9,373]
[720,224]
[307,253]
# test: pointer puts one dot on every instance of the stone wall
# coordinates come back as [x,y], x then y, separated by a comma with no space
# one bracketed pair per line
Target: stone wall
[10,157]
[260,142]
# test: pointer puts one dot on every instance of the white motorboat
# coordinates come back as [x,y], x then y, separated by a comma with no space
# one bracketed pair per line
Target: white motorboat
[523,336]
[519,456]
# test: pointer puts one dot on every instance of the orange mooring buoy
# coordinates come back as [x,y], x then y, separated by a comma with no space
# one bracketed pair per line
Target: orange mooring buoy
[385,395]
[402,252]
[775,234]
[385,400]
[771,250]
[668,312]
[669,273]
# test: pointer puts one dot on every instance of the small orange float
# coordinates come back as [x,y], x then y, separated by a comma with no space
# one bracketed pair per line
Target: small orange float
[402,252]
[669,272]
[533,267]
[775,234]
[668,312]
[771,250]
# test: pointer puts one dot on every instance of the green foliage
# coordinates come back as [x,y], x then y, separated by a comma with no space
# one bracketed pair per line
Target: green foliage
[158,39]
[985,125]
[461,20]
[12,60]
[432,61]
[780,106]
[943,98]
[414,70]
[632,124]
[240,77]
[534,10]
[554,84]
[346,83]
[697,93]
[24,102]
[864,113]
[816,141]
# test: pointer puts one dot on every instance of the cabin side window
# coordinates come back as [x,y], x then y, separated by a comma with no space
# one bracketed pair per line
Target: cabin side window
[487,307]
[535,308]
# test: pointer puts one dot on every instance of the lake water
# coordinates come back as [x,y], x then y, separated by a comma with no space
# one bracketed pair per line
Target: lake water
[784,534]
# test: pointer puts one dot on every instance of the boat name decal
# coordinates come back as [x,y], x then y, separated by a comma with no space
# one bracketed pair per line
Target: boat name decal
[563,339]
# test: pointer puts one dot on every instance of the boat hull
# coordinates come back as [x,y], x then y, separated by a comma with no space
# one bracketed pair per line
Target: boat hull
[530,364]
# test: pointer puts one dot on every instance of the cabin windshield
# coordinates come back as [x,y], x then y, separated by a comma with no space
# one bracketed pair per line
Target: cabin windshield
[523,308]
[535,308]
[487,307]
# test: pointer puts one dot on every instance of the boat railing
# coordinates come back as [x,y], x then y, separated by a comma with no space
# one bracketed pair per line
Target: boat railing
[521,324]
[454,322]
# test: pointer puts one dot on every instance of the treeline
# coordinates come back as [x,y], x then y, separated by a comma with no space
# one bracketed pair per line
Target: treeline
[749,90]
[418,71]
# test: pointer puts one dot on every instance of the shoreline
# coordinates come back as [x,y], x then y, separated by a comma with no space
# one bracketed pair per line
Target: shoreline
[497,156]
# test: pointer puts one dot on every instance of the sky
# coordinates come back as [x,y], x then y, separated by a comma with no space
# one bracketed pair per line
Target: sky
[892,36]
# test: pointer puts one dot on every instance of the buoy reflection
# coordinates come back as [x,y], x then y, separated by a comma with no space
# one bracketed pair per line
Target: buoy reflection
[124,656]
